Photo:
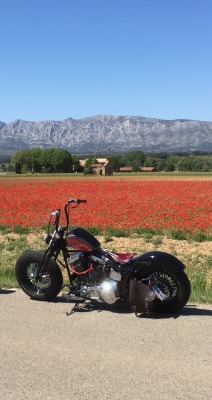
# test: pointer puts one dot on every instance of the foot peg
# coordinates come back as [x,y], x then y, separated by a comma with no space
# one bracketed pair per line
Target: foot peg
[73,298]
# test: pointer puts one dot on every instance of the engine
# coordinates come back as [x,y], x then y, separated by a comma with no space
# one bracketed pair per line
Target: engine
[97,279]
[88,267]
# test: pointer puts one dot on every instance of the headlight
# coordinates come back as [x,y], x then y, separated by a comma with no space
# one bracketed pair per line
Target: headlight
[47,239]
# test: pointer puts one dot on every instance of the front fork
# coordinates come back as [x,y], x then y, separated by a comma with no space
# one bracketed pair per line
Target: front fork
[43,268]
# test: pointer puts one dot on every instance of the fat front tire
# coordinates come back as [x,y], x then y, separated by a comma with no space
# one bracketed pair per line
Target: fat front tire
[49,284]
[175,287]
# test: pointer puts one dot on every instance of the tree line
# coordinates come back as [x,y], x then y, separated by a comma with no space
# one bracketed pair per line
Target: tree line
[54,160]
[196,162]
[49,160]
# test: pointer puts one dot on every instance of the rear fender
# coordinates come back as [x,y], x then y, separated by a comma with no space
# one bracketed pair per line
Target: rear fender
[159,259]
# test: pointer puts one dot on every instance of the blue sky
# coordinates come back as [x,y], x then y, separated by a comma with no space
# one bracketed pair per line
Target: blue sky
[79,58]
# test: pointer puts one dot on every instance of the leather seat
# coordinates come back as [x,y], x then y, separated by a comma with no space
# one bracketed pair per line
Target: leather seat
[122,257]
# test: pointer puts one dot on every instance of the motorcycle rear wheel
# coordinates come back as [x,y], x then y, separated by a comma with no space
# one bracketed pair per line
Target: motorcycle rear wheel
[175,286]
[49,284]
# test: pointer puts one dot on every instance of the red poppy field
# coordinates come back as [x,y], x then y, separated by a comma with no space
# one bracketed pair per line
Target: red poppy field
[116,203]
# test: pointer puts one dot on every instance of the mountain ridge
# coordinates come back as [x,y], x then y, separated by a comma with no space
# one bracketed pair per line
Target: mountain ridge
[99,133]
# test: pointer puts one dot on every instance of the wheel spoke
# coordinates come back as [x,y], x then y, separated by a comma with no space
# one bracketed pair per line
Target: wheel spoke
[166,283]
[40,284]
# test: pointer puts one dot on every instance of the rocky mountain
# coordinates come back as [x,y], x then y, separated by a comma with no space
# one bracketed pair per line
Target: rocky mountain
[103,133]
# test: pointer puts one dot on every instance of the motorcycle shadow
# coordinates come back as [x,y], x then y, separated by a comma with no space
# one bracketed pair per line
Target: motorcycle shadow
[94,305]
[187,311]
[123,308]
[6,291]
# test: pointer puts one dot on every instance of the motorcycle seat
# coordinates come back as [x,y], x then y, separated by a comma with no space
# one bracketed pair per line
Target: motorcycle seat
[122,257]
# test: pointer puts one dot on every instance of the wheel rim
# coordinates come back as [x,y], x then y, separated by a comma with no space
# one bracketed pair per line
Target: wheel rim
[41,284]
[166,282]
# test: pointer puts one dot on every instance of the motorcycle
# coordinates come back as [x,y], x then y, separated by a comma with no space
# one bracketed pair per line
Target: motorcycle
[153,281]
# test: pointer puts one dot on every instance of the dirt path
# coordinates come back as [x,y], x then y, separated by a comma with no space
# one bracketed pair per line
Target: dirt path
[165,244]
[135,244]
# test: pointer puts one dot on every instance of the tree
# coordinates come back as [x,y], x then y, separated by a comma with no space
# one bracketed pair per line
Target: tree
[206,163]
[115,159]
[185,164]
[22,161]
[47,160]
[76,164]
[62,161]
[150,162]
[36,160]
[161,165]
[88,165]
[56,160]
[170,164]
[133,159]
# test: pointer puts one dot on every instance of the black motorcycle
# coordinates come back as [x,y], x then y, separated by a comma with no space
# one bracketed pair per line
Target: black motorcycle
[154,280]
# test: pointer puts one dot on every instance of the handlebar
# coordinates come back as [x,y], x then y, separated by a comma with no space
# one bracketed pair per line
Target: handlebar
[56,213]
[77,201]
[71,200]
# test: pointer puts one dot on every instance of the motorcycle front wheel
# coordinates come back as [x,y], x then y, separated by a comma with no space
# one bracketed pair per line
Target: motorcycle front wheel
[49,284]
[174,286]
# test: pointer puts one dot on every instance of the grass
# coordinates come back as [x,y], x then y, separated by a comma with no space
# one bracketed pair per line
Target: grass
[123,175]
[12,244]
[149,234]
[199,270]
[13,241]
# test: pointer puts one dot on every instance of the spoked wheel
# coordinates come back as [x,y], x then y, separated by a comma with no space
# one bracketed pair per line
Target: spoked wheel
[166,282]
[45,287]
[174,288]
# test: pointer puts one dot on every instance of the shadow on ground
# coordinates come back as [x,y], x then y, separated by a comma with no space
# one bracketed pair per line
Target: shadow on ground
[7,291]
[123,308]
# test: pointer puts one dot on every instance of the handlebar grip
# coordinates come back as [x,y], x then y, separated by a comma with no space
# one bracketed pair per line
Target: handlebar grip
[76,201]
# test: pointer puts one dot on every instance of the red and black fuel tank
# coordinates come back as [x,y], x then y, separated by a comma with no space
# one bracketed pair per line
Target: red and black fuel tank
[82,240]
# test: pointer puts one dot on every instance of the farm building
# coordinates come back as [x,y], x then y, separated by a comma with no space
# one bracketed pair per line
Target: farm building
[142,169]
[147,169]
[102,167]
[125,169]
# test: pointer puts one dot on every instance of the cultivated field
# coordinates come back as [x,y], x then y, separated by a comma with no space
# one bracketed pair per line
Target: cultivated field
[120,202]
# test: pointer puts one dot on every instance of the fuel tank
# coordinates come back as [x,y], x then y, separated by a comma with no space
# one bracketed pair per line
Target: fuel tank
[81,240]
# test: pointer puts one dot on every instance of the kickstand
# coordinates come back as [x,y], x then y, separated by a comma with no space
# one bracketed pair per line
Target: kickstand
[76,306]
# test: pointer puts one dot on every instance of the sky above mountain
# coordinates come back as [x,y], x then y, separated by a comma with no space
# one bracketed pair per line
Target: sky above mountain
[79,58]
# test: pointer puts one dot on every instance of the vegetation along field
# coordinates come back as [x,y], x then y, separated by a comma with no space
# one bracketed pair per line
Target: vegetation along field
[136,213]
